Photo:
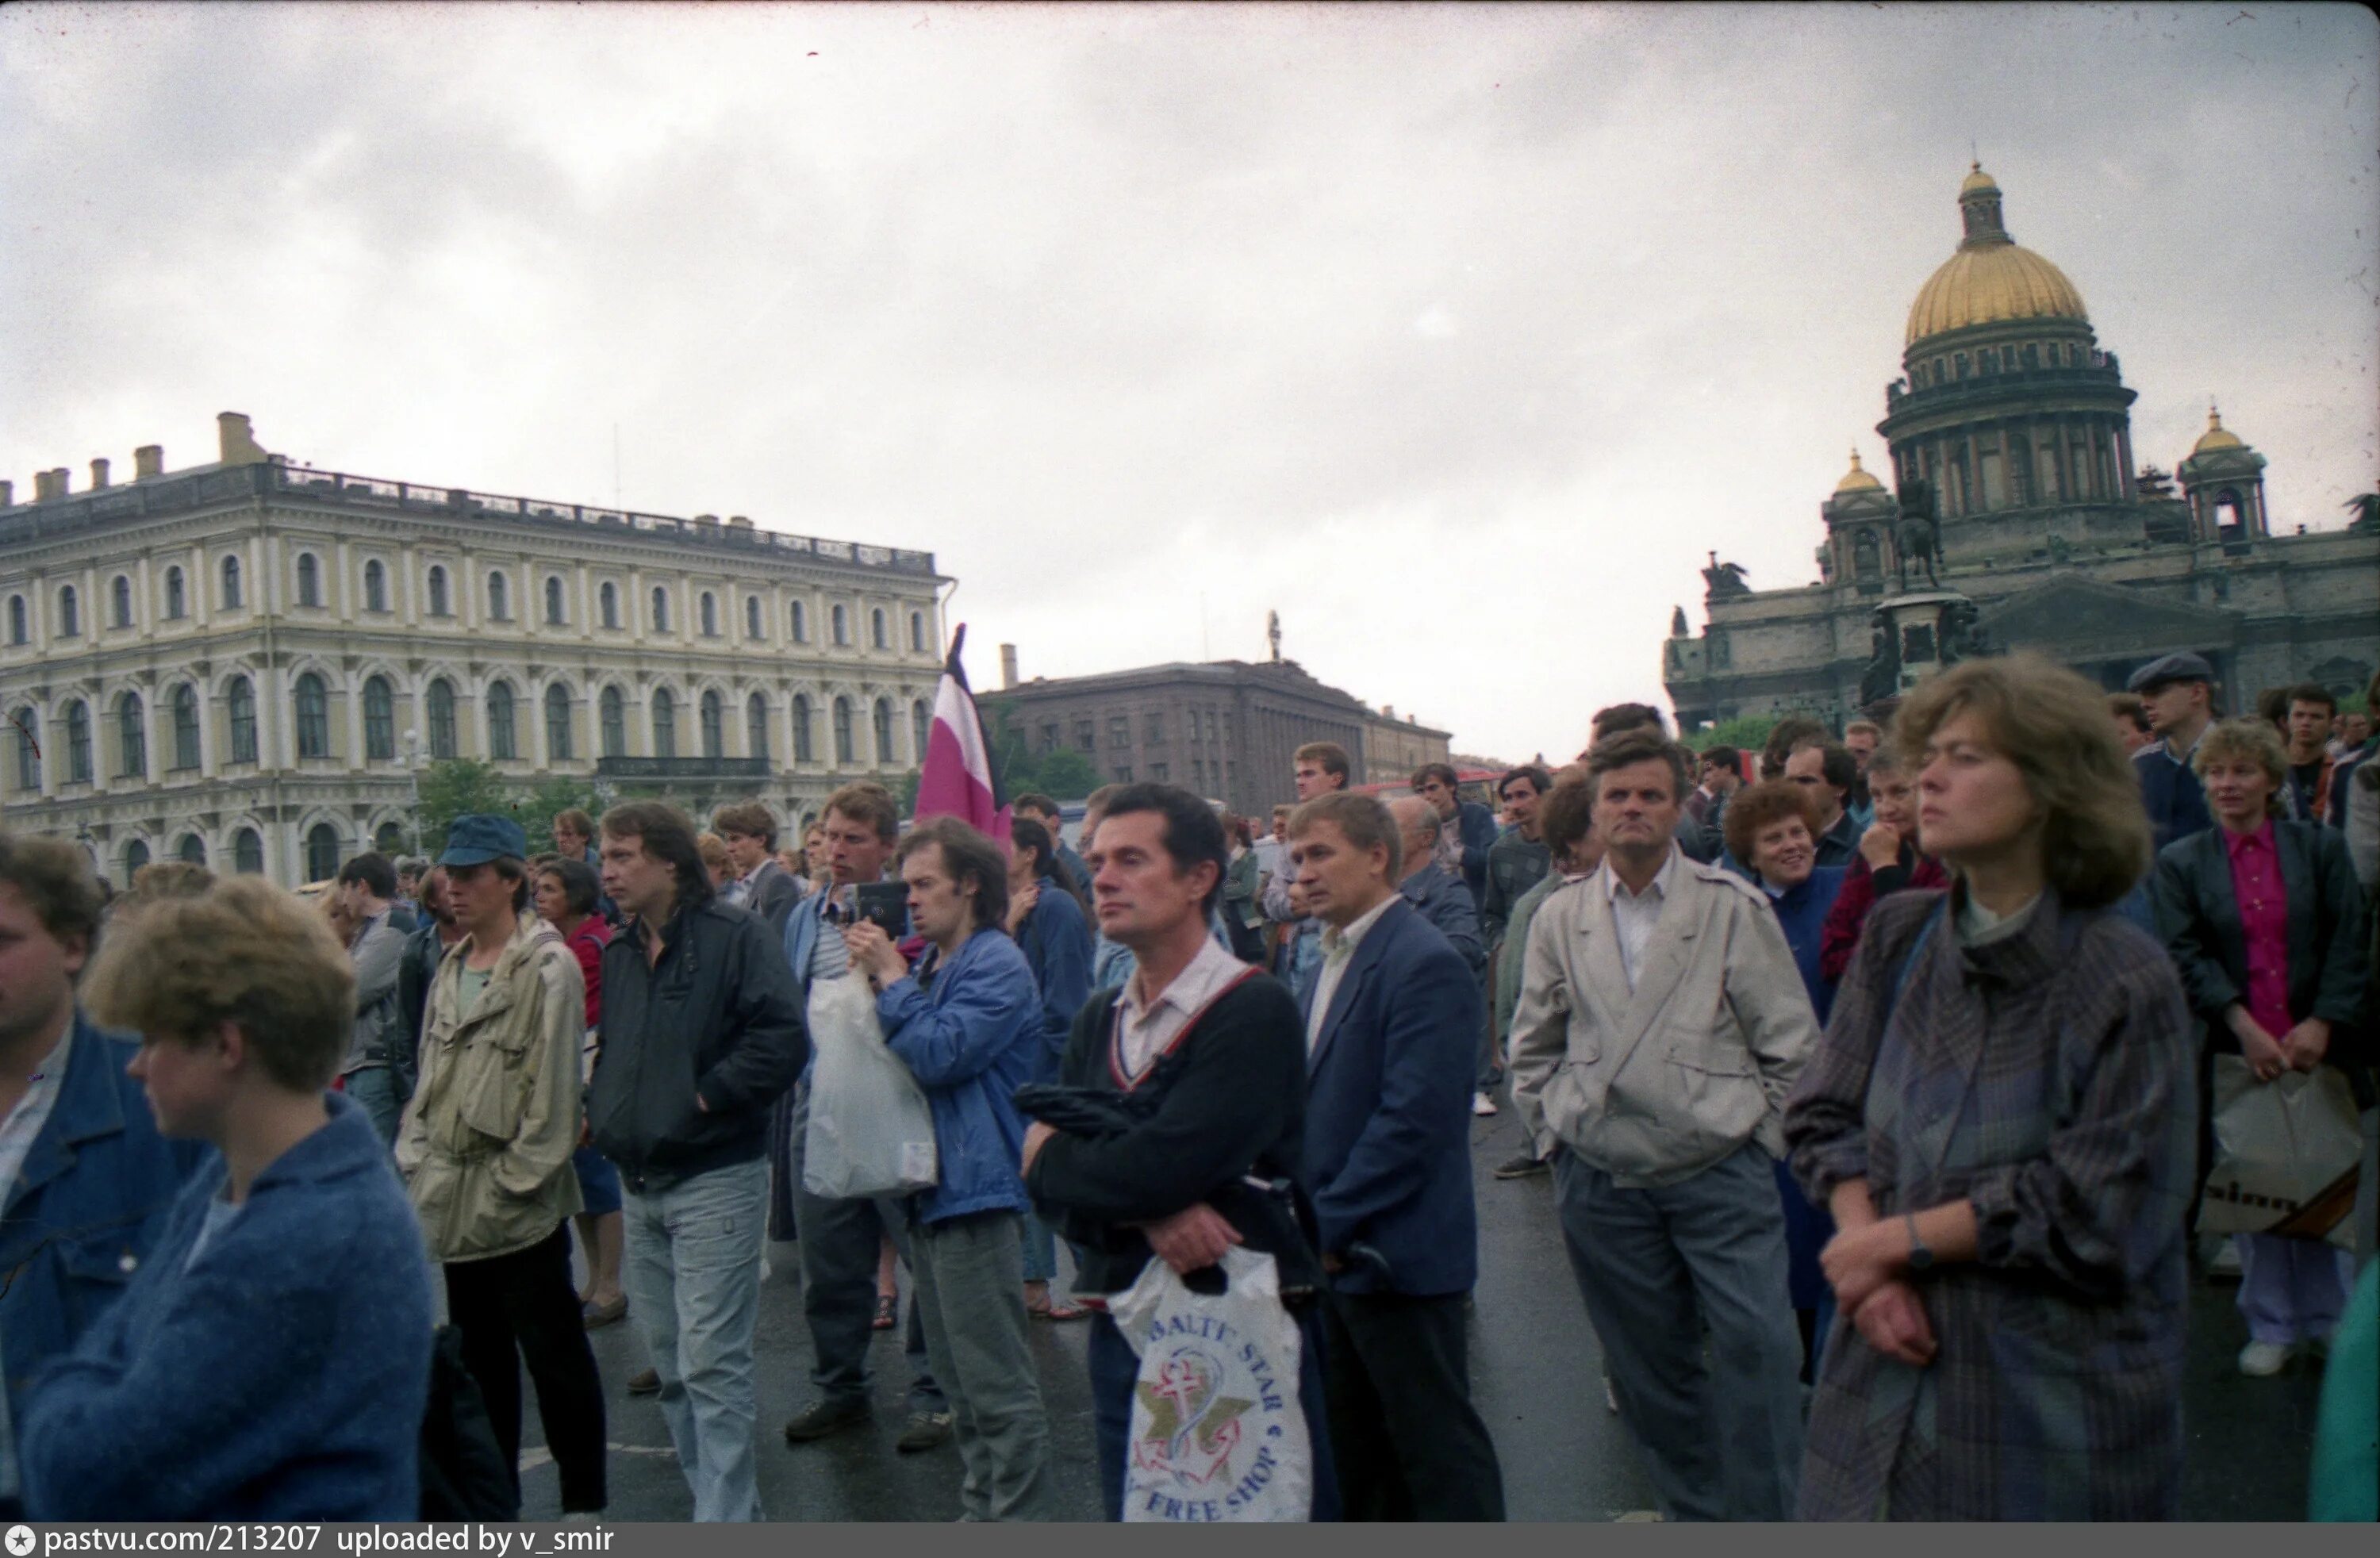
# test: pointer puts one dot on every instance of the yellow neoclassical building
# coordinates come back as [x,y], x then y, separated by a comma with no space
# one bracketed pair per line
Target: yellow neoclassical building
[245,662]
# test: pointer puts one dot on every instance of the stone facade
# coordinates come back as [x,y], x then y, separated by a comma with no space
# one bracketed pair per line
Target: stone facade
[1227,730]
[2012,426]
[239,663]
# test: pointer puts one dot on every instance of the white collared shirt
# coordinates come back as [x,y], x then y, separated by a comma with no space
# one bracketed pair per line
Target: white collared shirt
[32,1112]
[1145,1030]
[1635,915]
[1338,951]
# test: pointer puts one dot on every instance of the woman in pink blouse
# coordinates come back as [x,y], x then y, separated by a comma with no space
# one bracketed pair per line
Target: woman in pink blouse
[2265,925]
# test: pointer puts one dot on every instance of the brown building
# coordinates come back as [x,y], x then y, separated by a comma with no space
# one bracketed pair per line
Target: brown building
[1228,729]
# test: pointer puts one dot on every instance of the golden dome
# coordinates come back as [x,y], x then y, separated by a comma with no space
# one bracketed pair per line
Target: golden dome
[1857,480]
[1991,278]
[2216,435]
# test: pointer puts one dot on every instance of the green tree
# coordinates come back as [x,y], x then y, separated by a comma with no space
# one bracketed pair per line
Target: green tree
[910,781]
[453,788]
[538,806]
[1063,775]
[1745,733]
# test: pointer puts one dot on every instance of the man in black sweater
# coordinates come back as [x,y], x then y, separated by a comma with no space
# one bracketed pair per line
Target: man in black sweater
[1213,1051]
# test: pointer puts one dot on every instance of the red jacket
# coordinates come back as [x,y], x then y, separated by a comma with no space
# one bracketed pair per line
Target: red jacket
[587,942]
[1861,890]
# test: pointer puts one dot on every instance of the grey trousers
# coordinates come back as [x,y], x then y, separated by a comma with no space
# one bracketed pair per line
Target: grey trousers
[970,1275]
[1655,1267]
[839,1241]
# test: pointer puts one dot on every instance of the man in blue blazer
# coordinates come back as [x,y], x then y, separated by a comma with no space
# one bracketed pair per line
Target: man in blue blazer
[1392,1024]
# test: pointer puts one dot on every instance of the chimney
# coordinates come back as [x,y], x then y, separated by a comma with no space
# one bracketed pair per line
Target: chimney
[237,441]
[147,460]
[1387,710]
[7,494]
[47,487]
[98,474]
[739,522]
[1008,666]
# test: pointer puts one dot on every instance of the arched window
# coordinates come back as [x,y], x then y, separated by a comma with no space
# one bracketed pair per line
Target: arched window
[313,718]
[608,601]
[885,733]
[917,631]
[17,633]
[714,739]
[375,586]
[136,856]
[876,629]
[119,601]
[752,616]
[132,735]
[755,726]
[439,605]
[500,740]
[78,742]
[499,598]
[557,723]
[442,720]
[310,580]
[25,729]
[231,595]
[380,720]
[192,850]
[709,615]
[321,852]
[660,609]
[176,602]
[800,624]
[186,726]
[248,852]
[843,746]
[241,704]
[1865,560]
[553,601]
[389,839]
[664,723]
[841,625]
[803,750]
[615,723]
[69,614]
[921,726]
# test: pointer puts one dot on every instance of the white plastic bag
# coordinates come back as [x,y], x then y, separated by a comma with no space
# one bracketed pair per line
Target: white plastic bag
[1218,1430]
[2287,1154]
[871,1131]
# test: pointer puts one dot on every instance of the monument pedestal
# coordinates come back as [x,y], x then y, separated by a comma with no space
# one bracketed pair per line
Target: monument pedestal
[1916,634]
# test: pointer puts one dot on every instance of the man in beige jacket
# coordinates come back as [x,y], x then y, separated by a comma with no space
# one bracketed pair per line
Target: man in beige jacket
[485,1148]
[1660,1025]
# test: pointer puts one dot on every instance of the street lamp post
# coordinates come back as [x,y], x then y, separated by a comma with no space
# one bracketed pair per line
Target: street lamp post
[413,772]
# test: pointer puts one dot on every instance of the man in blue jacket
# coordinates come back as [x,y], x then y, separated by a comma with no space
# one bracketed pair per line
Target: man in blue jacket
[1392,1028]
[1467,828]
[85,1178]
[967,1023]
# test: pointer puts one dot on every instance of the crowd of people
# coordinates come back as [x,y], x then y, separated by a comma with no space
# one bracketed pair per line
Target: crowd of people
[1875,1075]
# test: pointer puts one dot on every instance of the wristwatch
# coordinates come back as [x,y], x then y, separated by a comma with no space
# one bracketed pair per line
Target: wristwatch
[1920,1258]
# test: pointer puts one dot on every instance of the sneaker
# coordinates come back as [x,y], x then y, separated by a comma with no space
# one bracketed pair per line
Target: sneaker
[923,1431]
[1482,1105]
[2259,1359]
[1521,1165]
[828,1417]
[646,1383]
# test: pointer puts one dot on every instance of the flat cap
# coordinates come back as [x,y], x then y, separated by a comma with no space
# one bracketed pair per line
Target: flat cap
[2180,667]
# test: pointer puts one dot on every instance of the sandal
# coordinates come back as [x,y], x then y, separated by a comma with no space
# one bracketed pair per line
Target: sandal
[888,1312]
[1054,1309]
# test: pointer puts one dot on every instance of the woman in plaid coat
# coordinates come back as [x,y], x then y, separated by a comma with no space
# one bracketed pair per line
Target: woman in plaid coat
[2000,1118]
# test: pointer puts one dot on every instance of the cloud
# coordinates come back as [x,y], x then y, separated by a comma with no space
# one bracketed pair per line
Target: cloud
[1457,335]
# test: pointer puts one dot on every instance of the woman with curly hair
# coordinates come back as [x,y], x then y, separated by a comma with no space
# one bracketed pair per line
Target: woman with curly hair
[2000,1117]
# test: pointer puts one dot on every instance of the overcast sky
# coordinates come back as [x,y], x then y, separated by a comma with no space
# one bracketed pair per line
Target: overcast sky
[1456,336]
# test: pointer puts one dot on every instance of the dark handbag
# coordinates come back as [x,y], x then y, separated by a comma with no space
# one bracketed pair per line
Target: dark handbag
[463,1472]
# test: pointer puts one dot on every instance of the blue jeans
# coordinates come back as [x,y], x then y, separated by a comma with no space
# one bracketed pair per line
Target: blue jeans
[692,1274]
[1040,1250]
[374,1089]
[1115,1368]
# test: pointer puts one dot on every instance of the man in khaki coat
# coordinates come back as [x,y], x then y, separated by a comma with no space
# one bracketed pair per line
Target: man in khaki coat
[485,1147]
[1660,1025]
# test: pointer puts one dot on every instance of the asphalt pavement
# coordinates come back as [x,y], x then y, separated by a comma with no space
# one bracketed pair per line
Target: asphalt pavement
[1537,1376]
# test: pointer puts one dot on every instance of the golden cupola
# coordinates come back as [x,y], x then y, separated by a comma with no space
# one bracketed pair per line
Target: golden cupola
[1991,279]
[2216,435]
[1857,480]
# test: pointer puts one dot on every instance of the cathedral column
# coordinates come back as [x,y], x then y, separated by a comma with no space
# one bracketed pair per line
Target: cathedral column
[2124,469]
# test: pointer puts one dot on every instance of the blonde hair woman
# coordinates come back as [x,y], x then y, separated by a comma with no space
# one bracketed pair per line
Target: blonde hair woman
[1999,1118]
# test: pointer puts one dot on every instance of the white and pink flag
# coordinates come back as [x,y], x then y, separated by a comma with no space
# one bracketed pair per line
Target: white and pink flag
[956,779]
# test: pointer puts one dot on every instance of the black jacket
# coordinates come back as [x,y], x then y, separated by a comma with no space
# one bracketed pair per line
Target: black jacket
[415,975]
[2198,919]
[1229,1102]
[717,1018]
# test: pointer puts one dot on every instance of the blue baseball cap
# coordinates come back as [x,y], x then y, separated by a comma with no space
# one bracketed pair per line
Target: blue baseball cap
[477,838]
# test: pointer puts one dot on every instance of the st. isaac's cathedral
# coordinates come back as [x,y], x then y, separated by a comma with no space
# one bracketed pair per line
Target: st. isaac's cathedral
[2011,426]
